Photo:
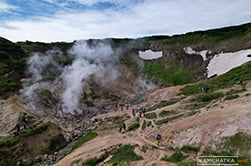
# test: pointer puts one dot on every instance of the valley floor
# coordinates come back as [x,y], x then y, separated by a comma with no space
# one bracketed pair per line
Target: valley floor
[184,125]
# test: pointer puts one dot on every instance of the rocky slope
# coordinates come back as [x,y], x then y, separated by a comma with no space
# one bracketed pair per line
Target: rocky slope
[82,85]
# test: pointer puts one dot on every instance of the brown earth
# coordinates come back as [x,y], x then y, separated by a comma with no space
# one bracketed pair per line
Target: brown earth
[219,119]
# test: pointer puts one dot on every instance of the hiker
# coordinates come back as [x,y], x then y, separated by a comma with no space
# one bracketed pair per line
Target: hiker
[144,111]
[241,82]
[158,138]
[206,89]
[121,106]
[25,122]
[17,127]
[140,112]
[133,112]
[127,106]
[124,126]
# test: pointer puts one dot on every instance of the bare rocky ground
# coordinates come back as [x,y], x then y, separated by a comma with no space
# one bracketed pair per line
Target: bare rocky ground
[204,129]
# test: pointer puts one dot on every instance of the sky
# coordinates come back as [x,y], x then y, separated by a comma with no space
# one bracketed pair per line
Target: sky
[69,20]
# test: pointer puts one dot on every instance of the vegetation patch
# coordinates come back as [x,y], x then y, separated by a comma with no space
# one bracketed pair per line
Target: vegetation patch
[152,115]
[176,157]
[144,125]
[95,161]
[196,106]
[164,103]
[209,36]
[12,65]
[125,154]
[192,113]
[226,80]
[190,149]
[169,75]
[46,97]
[187,164]
[207,97]
[89,136]
[133,127]
[208,151]
[57,142]
[167,113]
[149,123]
[13,140]
[16,148]
[240,143]
[234,91]
[166,120]
[231,97]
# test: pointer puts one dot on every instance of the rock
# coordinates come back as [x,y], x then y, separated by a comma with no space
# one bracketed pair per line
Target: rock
[45,156]
[19,163]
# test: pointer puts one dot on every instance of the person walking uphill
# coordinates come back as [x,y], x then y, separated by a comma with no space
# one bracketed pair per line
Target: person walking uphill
[158,138]
[133,112]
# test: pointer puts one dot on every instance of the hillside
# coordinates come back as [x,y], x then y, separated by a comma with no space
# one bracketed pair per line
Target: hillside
[60,103]
[215,123]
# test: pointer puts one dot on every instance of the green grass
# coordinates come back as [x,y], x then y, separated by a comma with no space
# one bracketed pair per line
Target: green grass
[144,125]
[167,113]
[133,127]
[89,136]
[15,147]
[172,75]
[57,142]
[192,113]
[176,157]
[190,149]
[166,120]
[125,154]
[208,152]
[96,160]
[46,97]
[187,164]
[152,115]
[223,81]
[234,91]
[209,36]
[164,103]
[30,47]
[196,106]
[207,97]
[149,123]
[231,97]
[13,140]
[12,65]
[239,143]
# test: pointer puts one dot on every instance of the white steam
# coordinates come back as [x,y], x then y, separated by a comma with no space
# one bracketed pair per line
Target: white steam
[97,60]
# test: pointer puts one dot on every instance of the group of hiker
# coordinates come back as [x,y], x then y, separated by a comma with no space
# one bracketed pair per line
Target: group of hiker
[141,112]
[23,123]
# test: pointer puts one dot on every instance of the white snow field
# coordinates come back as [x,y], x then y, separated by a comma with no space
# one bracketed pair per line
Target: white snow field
[203,53]
[149,54]
[223,62]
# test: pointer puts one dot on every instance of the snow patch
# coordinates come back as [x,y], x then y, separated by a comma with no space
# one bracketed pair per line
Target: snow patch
[203,53]
[224,62]
[149,54]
